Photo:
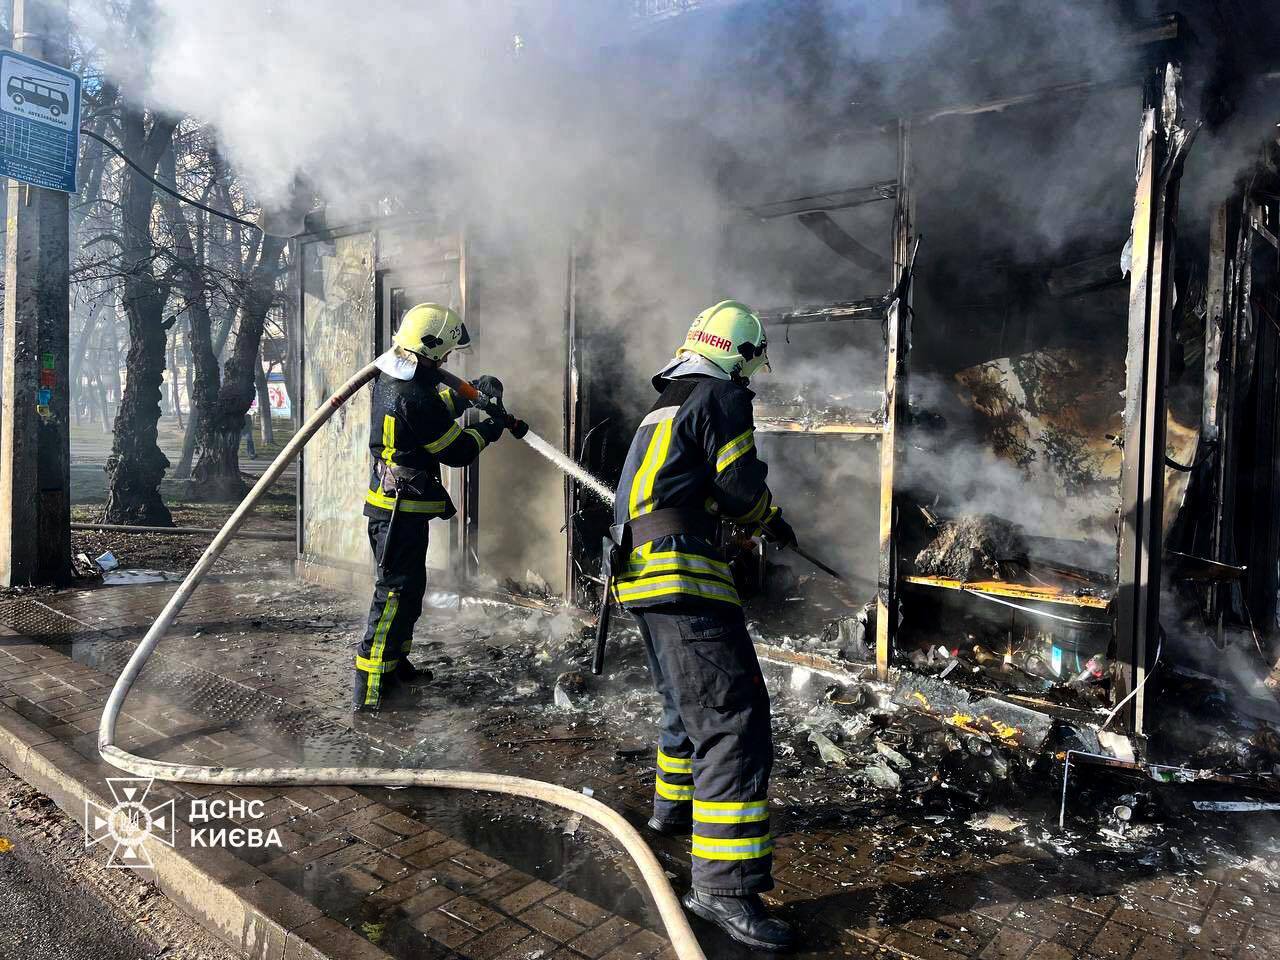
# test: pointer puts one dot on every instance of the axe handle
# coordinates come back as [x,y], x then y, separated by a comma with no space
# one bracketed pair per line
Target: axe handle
[602,632]
[815,561]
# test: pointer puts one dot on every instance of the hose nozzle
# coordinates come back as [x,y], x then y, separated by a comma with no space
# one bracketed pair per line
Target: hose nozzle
[494,408]
[490,405]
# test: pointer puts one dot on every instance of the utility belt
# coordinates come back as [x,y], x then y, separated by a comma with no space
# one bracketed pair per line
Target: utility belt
[667,522]
[411,483]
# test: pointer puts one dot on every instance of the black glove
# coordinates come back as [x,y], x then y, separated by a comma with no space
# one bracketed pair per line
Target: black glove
[777,531]
[489,386]
[490,429]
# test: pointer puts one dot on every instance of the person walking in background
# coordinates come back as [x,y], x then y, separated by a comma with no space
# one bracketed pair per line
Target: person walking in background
[247,433]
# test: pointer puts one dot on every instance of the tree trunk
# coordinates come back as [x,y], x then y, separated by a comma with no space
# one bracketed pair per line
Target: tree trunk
[93,387]
[218,471]
[203,360]
[136,465]
[187,379]
[287,368]
[81,348]
[212,378]
[175,399]
[113,358]
[93,393]
[264,402]
[85,338]
[106,360]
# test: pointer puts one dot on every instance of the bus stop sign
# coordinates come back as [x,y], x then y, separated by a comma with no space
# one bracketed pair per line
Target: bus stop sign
[39,122]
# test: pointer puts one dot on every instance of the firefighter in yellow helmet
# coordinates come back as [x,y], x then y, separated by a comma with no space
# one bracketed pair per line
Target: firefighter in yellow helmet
[414,431]
[692,463]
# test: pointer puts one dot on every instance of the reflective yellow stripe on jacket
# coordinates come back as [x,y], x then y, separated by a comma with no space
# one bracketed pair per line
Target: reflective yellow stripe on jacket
[736,448]
[436,508]
[450,435]
[650,573]
[640,498]
[645,563]
[388,438]
[377,498]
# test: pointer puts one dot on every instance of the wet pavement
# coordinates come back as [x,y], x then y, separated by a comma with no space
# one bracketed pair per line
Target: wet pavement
[897,834]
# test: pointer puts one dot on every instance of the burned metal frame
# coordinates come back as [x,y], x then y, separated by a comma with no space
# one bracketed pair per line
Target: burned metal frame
[892,311]
[897,346]
[823,202]
[1163,146]
[1226,368]
[1263,557]
[870,310]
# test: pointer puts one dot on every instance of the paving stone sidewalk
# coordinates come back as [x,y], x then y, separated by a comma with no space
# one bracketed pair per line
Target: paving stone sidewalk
[412,876]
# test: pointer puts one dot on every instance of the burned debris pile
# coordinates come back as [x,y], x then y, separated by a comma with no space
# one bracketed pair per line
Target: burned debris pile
[974,548]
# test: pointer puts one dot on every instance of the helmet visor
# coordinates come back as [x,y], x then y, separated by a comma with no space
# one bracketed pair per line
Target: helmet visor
[464,339]
[755,358]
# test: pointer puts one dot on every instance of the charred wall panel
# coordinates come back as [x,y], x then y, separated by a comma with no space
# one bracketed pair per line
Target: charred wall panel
[338,338]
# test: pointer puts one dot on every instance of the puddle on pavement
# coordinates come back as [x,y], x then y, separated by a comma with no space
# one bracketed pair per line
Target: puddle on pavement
[524,836]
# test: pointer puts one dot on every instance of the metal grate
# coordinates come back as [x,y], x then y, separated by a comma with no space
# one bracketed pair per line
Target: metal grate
[233,707]
[42,623]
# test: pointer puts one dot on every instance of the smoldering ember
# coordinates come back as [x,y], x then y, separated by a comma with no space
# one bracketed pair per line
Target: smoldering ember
[644,478]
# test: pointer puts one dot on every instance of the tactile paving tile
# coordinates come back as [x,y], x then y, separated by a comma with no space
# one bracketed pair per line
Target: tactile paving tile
[286,730]
[40,622]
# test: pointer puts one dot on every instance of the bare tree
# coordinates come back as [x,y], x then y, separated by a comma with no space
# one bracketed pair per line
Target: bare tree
[217,473]
[137,465]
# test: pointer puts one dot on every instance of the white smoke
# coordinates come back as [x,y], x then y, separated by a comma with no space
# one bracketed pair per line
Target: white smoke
[543,117]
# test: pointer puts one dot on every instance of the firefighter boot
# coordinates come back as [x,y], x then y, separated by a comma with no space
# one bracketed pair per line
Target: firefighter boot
[671,828]
[743,918]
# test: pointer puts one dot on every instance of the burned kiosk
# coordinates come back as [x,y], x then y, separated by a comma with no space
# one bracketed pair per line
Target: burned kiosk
[1070,504]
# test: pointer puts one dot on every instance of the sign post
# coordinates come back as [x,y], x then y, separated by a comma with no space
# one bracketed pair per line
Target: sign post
[39,127]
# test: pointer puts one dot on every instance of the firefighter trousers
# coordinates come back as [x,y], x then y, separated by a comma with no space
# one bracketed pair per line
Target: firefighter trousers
[715,748]
[397,602]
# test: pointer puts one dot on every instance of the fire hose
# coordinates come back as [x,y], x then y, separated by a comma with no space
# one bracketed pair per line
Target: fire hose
[668,905]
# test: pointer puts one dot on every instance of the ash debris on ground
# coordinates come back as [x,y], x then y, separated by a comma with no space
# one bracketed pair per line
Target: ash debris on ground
[973,548]
[925,762]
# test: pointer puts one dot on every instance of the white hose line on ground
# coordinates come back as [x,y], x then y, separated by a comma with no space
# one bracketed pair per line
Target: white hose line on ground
[668,905]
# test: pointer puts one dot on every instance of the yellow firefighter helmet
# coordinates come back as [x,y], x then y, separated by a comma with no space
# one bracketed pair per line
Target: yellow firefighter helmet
[432,331]
[731,336]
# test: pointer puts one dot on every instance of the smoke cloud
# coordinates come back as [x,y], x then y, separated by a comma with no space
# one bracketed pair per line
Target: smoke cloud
[552,119]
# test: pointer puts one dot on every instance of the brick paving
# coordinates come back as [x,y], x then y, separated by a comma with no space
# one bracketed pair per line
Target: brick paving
[415,881]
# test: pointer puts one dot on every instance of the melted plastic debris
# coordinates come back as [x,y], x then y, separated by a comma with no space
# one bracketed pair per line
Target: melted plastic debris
[881,776]
[999,821]
[828,751]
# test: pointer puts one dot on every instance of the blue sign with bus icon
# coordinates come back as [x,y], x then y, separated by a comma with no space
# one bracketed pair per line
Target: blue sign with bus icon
[39,122]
